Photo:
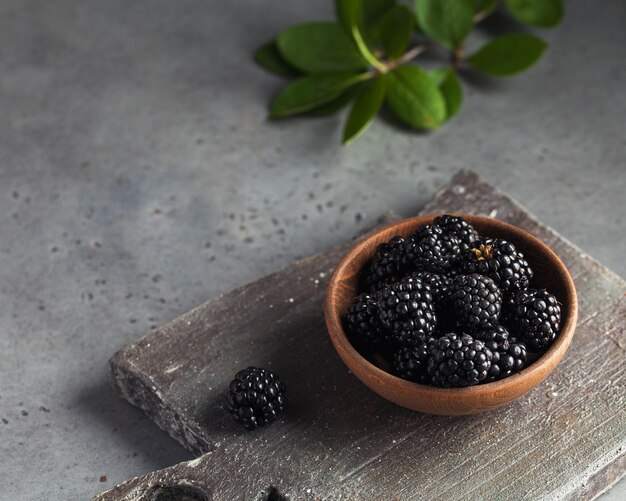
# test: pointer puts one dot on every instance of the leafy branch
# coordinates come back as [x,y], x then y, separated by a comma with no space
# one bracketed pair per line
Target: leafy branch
[367,58]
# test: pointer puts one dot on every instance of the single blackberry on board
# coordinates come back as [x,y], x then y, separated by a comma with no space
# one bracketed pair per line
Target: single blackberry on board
[387,265]
[509,355]
[500,261]
[362,319]
[458,360]
[411,362]
[459,228]
[256,397]
[407,311]
[476,301]
[535,316]
[428,250]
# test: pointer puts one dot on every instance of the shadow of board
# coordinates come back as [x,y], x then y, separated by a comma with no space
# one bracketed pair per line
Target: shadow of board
[108,411]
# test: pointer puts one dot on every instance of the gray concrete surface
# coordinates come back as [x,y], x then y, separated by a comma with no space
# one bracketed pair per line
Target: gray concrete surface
[139,177]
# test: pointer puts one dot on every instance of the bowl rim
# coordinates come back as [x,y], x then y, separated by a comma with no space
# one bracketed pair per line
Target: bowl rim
[535,372]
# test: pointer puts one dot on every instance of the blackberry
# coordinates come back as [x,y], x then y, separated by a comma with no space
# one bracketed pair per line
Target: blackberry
[458,360]
[514,360]
[387,265]
[439,284]
[500,261]
[476,301]
[459,228]
[495,338]
[440,289]
[362,319]
[256,397]
[428,250]
[407,311]
[535,316]
[509,355]
[411,362]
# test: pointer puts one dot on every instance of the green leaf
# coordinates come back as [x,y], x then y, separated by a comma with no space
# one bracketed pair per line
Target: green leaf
[373,10]
[365,108]
[362,13]
[414,98]
[320,47]
[336,104]
[445,21]
[448,83]
[393,31]
[508,54]
[542,13]
[268,56]
[485,5]
[348,13]
[309,92]
[438,75]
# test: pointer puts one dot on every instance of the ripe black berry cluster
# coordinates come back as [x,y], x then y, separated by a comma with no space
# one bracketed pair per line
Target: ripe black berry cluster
[450,308]
[256,397]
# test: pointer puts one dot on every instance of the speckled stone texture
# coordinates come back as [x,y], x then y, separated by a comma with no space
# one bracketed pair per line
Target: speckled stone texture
[340,441]
[139,178]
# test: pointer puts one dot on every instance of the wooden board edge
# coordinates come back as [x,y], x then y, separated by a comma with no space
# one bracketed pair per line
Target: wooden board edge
[601,480]
[135,386]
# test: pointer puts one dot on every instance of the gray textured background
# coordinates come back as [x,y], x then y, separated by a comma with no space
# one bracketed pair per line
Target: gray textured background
[139,178]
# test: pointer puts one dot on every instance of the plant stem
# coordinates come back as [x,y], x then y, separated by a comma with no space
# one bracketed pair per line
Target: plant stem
[406,57]
[457,57]
[412,53]
[479,16]
[365,52]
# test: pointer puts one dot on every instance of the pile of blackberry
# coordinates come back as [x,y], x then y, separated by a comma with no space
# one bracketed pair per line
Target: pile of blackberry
[448,307]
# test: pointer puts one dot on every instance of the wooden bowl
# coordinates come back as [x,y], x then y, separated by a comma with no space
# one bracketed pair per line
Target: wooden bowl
[550,273]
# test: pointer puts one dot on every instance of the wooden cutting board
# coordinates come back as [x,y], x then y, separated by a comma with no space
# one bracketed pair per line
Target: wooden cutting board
[338,440]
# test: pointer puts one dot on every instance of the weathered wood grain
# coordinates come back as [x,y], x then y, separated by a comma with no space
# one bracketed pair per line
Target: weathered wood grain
[566,438]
